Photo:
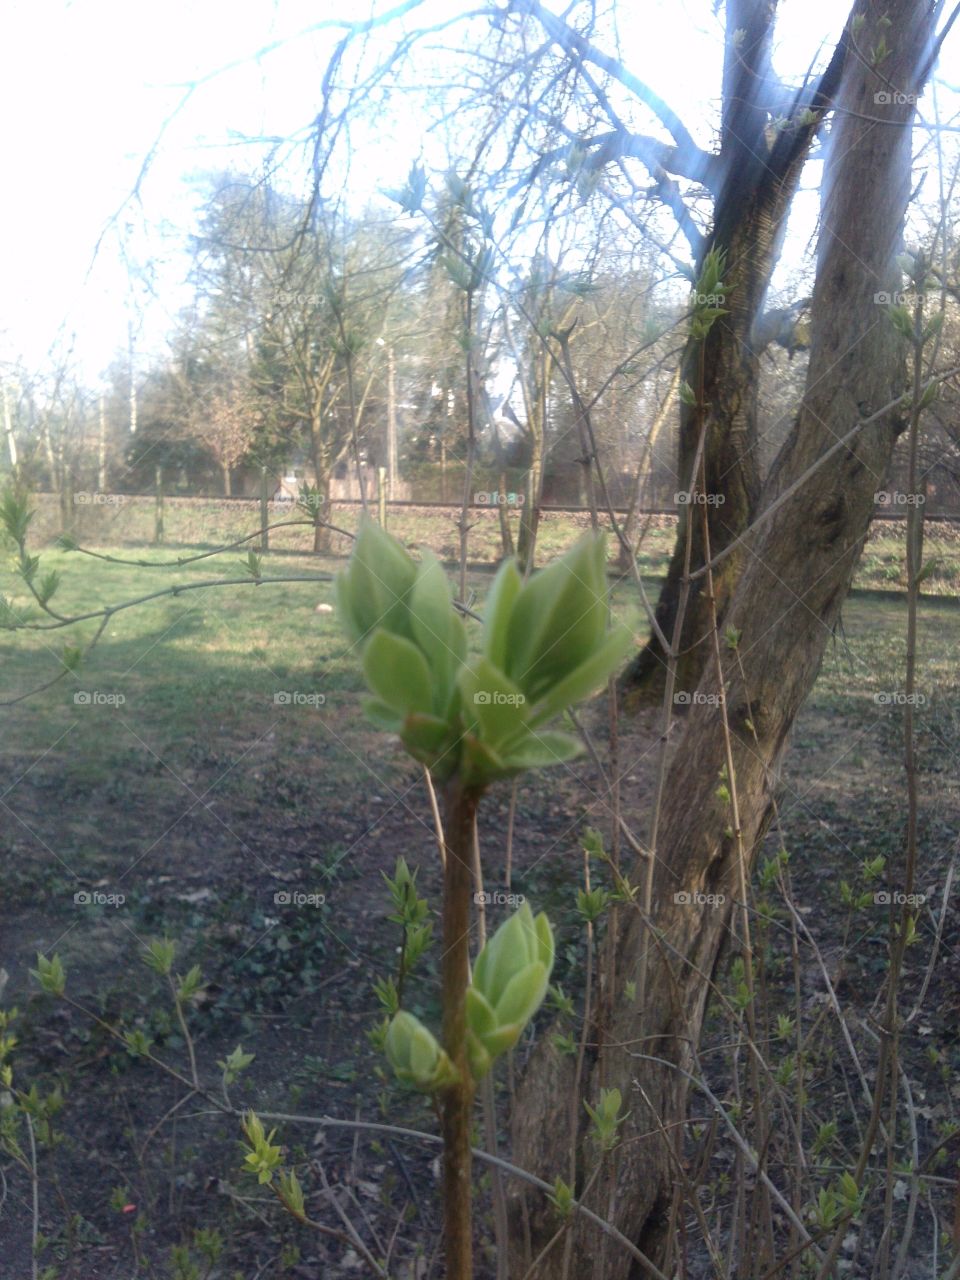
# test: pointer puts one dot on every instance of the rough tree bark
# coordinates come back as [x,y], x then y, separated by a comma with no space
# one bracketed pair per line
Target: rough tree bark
[792,580]
[759,165]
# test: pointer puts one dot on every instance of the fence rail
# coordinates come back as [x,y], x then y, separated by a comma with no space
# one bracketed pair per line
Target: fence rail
[880,512]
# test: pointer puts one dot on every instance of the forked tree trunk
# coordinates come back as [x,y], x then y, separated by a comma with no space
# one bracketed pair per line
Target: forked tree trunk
[788,594]
[724,374]
[759,174]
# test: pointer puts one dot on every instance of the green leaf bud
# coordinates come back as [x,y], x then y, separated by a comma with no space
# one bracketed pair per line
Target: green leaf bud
[510,980]
[415,1055]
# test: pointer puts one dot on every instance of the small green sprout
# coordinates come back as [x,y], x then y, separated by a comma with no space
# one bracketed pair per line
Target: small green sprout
[263,1157]
[606,1118]
[51,975]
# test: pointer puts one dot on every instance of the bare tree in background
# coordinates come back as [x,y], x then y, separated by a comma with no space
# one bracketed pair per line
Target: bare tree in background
[226,422]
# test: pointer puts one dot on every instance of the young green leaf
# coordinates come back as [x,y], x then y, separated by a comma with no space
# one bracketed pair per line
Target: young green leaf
[397,672]
[50,974]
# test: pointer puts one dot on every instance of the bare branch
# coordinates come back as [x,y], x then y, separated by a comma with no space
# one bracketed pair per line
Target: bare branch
[577,46]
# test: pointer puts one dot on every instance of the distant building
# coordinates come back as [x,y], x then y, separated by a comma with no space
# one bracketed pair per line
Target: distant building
[288,490]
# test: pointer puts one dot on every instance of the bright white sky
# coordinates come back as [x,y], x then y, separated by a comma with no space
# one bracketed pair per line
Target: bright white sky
[87,84]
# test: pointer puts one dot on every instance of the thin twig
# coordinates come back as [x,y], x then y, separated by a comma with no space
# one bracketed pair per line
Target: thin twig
[35,1198]
[348,1225]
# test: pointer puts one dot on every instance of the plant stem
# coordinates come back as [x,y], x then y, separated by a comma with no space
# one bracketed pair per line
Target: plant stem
[501,1228]
[35,1196]
[456,1102]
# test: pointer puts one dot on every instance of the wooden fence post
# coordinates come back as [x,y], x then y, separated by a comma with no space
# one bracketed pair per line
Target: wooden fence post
[158,510]
[264,511]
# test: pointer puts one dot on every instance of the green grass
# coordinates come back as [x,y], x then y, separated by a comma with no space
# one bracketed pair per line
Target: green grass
[185,662]
[207,664]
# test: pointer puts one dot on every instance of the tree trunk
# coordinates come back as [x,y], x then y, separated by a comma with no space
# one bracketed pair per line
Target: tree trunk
[530,514]
[724,373]
[321,483]
[784,604]
[760,176]
[227,486]
[506,533]
[65,494]
[321,513]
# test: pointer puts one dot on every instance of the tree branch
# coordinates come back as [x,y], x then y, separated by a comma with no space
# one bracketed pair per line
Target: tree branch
[657,156]
[577,46]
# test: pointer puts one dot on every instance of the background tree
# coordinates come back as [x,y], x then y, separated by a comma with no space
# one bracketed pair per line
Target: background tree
[62,422]
[226,422]
[165,437]
[293,299]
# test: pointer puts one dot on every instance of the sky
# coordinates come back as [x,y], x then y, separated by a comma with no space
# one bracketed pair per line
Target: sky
[87,86]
